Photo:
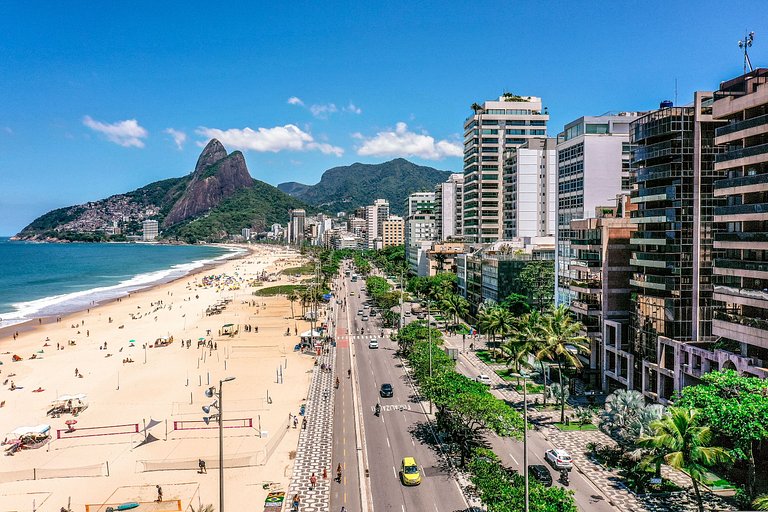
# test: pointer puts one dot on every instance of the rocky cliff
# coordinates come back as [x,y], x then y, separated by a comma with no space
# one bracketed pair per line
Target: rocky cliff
[217,176]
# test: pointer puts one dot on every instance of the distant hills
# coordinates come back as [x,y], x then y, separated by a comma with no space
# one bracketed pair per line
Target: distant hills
[219,198]
[348,187]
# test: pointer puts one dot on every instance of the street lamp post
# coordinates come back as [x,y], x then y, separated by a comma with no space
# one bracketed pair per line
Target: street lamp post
[525,436]
[221,441]
[429,340]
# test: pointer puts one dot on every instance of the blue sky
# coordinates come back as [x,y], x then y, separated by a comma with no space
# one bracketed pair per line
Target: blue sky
[96,101]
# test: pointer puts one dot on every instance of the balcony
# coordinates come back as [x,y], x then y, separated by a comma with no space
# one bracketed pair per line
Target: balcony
[586,241]
[742,265]
[761,149]
[652,282]
[741,182]
[585,308]
[741,125]
[753,331]
[755,211]
[586,285]
[737,240]
[745,296]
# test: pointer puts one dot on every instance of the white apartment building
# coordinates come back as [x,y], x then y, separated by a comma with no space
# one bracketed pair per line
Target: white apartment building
[375,215]
[593,159]
[494,128]
[420,230]
[449,198]
[150,230]
[296,226]
[530,189]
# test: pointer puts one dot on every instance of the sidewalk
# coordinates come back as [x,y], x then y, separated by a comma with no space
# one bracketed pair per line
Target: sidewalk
[314,450]
[608,481]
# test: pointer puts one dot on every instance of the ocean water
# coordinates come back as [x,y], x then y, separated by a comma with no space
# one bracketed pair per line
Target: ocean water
[41,279]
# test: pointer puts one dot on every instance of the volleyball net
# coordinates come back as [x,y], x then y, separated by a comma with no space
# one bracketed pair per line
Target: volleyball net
[213,424]
[104,430]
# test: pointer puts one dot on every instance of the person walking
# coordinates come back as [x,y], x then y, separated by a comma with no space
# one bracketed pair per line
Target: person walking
[325,474]
[159,493]
[201,465]
[312,481]
[295,422]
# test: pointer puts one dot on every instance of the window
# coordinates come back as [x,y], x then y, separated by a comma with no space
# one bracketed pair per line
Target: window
[495,111]
[538,132]
[600,129]
[515,132]
[488,131]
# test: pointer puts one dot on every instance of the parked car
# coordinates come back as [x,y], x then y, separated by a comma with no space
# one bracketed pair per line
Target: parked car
[409,472]
[483,379]
[386,391]
[541,473]
[373,343]
[365,318]
[559,458]
[359,312]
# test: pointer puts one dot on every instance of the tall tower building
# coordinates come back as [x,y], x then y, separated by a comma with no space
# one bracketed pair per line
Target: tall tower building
[593,157]
[741,248]
[449,197]
[530,190]
[375,215]
[420,230]
[495,127]
[150,230]
[296,226]
[673,167]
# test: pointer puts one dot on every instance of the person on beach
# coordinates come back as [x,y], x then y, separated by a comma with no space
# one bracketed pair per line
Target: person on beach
[304,425]
[159,493]
[295,422]
[201,465]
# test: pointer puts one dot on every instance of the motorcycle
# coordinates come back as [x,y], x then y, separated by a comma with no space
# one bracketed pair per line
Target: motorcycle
[377,411]
[564,476]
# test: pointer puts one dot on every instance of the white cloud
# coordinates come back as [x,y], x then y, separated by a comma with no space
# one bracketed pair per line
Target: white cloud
[179,137]
[293,100]
[323,111]
[279,138]
[354,109]
[402,142]
[126,133]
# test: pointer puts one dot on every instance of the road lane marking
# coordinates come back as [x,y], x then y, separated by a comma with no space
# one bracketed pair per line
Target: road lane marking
[388,445]
[394,471]
[403,507]
[514,459]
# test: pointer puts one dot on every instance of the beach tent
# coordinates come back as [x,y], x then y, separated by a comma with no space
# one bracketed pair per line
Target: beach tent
[41,429]
[229,329]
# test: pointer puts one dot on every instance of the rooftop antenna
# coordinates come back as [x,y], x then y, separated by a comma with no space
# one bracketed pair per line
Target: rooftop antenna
[746,43]
[675,90]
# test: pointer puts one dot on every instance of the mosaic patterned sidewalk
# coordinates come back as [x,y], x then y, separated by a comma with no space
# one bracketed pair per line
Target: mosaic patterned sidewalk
[314,450]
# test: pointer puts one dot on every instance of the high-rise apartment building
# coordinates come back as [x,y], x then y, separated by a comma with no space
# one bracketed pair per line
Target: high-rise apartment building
[593,158]
[375,215]
[741,248]
[419,202]
[530,189]
[495,127]
[449,198]
[673,167]
[296,226]
[420,230]
[393,231]
[150,230]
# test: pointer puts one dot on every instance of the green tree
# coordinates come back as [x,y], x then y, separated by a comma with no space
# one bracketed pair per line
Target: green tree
[516,303]
[455,306]
[537,282]
[761,502]
[516,352]
[685,444]
[292,297]
[563,342]
[528,329]
[736,408]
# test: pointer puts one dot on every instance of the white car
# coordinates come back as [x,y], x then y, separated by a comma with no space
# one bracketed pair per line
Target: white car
[559,458]
[483,379]
[373,343]
[359,312]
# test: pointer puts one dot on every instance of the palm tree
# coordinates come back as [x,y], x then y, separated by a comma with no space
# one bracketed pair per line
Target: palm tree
[205,508]
[494,321]
[476,107]
[455,306]
[528,328]
[621,407]
[517,352]
[685,445]
[292,297]
[563,342]
[761,502]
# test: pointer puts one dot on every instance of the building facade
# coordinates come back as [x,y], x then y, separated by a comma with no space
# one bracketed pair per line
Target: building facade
[673,168]
[375,215]
[449,198]
[495,127]
[150,230]
[741,247]
[593,160]
[530,189]
[296,226]
[393,231]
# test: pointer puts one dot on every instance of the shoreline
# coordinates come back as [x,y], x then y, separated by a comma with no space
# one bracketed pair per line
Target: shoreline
[112,354]
[42,320]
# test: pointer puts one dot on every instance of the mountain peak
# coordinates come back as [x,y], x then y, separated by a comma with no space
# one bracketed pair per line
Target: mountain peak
[213,152]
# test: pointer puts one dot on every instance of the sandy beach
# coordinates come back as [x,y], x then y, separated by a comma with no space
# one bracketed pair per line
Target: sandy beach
[143,425]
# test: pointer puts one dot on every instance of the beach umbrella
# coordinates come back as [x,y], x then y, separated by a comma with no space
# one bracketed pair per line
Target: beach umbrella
[71,424]
[200,339]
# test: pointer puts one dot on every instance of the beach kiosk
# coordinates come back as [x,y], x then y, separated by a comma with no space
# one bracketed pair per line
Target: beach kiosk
[230,329]
[68,404]
[26,438]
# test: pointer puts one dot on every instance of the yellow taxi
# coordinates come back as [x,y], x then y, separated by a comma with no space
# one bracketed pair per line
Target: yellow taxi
[409,472]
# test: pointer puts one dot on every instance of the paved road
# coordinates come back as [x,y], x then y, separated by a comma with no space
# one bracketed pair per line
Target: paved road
[396,433]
